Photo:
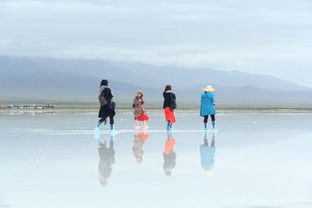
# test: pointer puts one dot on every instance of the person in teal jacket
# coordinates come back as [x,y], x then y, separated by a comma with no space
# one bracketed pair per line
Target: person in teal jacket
[207,106]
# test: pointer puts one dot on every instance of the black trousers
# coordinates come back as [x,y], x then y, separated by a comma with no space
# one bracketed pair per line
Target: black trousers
[111,119]
[107,112]
[213,118]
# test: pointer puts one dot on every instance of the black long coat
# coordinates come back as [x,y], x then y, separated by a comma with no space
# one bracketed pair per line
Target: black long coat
[108,109]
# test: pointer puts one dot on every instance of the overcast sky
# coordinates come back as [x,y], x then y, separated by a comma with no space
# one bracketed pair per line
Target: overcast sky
[265,37]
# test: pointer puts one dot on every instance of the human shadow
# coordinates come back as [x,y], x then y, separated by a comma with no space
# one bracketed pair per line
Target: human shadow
[107,158]
[169,154]
[140,138]
[207,153]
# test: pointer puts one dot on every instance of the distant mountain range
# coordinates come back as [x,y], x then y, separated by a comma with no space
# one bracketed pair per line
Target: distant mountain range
[70,80]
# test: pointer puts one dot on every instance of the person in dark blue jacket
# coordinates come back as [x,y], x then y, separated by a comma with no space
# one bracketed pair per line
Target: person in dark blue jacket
[107,108]
[207,106]
[169,106]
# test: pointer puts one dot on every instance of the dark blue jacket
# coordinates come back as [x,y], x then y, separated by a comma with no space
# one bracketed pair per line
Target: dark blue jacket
[169,100]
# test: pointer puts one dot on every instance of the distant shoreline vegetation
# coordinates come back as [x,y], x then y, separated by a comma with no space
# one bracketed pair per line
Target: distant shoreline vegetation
[20,106]
[27,107]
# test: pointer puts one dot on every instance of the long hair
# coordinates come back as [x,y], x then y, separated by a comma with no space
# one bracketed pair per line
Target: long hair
[104,82]
[167,88]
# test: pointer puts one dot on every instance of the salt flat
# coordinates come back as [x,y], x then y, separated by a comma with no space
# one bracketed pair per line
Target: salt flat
[56,160]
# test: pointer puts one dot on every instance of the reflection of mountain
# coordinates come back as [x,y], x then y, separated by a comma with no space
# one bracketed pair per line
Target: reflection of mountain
[68,80]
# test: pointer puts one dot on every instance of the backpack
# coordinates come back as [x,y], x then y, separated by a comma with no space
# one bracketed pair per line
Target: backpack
[102,99]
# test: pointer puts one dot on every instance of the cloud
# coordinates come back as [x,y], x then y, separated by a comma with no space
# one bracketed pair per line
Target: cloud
[269,37]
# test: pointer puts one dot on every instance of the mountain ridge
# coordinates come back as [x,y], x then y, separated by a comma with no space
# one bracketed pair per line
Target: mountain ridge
[70,79]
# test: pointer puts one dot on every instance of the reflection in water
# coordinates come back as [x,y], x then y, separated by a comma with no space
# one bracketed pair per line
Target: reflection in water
[140,137]
[107,158]
[207,154]
[169,154]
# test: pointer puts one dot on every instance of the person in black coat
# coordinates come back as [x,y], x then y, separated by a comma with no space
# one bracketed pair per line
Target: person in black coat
[107,108]
[169,106]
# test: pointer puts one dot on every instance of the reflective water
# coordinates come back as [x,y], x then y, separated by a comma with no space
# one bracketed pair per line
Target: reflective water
[253,160]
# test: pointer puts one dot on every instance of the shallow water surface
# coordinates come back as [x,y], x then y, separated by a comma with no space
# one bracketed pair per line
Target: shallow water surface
[253,160]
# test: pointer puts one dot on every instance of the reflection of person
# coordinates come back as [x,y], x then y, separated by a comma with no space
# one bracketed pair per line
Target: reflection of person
[107,108]
[139,112]
[207,154]
[139,140]
[169,154]
[207,107]
[107,158]
[169,106]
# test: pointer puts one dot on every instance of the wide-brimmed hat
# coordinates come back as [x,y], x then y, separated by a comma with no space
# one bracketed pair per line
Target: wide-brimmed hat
[209,89]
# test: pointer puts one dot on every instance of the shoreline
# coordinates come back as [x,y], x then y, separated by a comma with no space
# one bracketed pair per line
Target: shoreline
[219,110]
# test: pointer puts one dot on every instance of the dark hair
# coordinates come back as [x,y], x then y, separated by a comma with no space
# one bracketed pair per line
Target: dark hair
[104,82]
[168,87]
[140,93]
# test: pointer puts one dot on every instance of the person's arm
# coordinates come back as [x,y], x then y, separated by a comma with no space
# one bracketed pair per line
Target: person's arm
[212,99]
[173,96]
[134,102]
[201,100]
[108,94]
[173,102]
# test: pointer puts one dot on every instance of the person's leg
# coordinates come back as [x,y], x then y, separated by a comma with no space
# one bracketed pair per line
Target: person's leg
[168,125]
[213,118]
[205,122]
[169,135]
[171,125]
[100,122]
[206,138]
[213,141]
[140,125]
[98,125]
[111,122]
[111,142]
[136,123]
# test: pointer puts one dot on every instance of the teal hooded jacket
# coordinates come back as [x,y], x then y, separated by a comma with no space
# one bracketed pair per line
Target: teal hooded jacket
[207,104]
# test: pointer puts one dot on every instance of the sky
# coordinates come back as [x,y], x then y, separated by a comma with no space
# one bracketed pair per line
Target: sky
[271,37]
